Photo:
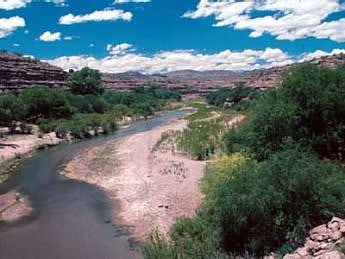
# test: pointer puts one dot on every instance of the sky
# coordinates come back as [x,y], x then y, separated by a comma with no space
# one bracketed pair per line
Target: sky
[158,36]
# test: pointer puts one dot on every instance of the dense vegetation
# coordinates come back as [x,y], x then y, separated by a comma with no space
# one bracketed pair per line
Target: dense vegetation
[273,184]
[83,108]
[201,138]
[309,108]
[240,97]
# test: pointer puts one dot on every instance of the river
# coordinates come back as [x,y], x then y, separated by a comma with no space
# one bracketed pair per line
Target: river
[71,219]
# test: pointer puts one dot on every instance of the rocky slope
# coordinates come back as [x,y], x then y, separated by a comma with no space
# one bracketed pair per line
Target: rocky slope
[324,242]
[194,82]
[17,72]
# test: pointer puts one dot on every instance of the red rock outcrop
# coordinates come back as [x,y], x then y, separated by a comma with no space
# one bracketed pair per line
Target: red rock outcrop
[18,72]
[196,83]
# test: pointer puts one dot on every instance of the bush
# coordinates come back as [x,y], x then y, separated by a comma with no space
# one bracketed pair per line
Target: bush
[273,119]
[11,111]
[308,108]
[25,128]
[239,96]
[42,102]
[261,207]
[190,238]
[97,103]
[201,138]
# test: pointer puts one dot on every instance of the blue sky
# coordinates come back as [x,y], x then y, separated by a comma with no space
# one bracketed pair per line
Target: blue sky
[164,35]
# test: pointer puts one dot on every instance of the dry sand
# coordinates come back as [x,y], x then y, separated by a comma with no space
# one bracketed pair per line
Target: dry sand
[14,145]
[153,187]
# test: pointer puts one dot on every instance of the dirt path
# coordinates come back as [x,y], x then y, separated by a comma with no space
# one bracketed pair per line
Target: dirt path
[153,187]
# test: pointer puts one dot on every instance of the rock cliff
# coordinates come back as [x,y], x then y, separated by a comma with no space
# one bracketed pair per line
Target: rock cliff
[17,72]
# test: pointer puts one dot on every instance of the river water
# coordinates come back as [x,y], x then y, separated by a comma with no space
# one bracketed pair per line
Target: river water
[71,219]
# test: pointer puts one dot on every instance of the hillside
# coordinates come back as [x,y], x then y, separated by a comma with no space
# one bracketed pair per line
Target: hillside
[17,72]
[191,82]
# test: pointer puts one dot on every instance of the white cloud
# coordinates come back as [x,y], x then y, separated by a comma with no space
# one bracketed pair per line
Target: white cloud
[131,1]
[175,60]
[293,19]
[13,4]
[9,25]
[16,45]
[50,36]
[119,49]
[96,16]
[319,53]
[58,2]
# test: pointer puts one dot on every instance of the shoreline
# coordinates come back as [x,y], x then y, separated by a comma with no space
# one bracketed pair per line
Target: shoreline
[16,148]
[153,187]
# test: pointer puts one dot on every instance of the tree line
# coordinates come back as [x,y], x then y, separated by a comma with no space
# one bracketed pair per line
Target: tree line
[83,106]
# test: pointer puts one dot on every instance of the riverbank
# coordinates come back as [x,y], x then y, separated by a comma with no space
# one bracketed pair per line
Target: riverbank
[13,148]
[153,186]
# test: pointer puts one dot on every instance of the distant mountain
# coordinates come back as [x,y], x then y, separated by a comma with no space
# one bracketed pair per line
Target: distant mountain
[201,74]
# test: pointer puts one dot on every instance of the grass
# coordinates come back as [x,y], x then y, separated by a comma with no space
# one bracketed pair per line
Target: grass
[103,157]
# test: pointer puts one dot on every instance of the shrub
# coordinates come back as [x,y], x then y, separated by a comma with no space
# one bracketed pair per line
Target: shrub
[239,96]
[201,138]
[97,103]
[308,108]
[273,119]
[25,128]
[42,102]
[261,207]
[190,238]
[11,111]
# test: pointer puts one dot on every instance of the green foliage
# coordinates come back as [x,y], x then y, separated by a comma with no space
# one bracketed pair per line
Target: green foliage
[11,111]
[190,239]
[272,120]
[278,186]
[201,138]
[86,81]
[308,108]
[97,103]
[261,207]
[240,96]
[42,102]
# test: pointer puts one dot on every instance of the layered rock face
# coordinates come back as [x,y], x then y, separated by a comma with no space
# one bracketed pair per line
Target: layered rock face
[196,83]
[18,72]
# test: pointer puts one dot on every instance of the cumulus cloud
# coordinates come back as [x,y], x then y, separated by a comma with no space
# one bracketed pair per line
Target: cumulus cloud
[319,53]
[119,49]
[13,4]
[161,62]
[96,16]
[131,1]
[50,36]
[292,19]
[9,25]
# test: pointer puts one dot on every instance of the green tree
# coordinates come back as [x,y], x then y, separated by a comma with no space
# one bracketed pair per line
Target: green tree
[86,81]
[12,110]
[42,102]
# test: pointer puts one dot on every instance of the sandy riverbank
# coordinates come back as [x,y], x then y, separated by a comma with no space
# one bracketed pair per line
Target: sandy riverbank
[154,187]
